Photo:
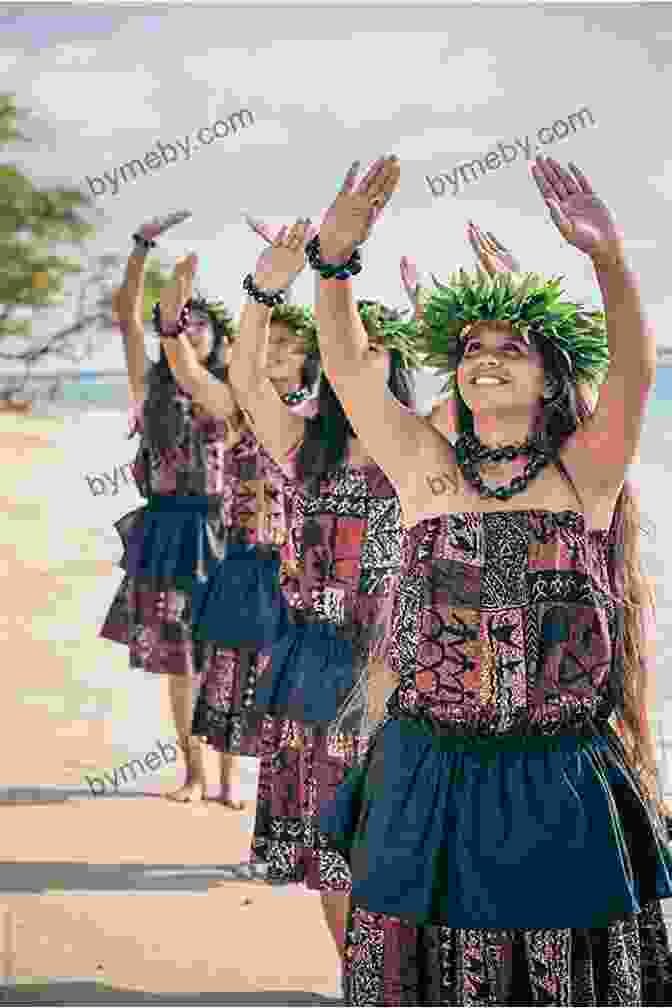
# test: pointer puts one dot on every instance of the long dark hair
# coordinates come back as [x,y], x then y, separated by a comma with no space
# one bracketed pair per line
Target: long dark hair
[560,416]
[326,436]
[164,420]
[310,370]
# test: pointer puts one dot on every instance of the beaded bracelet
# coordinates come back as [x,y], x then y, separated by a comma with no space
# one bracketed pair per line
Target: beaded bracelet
[182,321]
[268,298]
[146,243]
[328,272]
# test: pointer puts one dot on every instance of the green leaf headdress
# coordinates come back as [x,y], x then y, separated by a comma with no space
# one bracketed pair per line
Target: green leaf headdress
[218,315]
[530,303]
[387,329]
[393,332]
[301,320]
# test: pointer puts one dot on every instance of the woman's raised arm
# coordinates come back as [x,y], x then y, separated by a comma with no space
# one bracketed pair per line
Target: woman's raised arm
[402,444]
[131,299]
[278,266]
[612,434]
[213,395]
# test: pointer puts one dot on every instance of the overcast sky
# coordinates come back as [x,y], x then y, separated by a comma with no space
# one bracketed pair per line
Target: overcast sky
[438,87]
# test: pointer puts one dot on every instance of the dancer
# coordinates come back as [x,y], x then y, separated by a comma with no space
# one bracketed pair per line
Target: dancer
[178,464]
[346,538]
[497,781]
[260,498]
[494,258]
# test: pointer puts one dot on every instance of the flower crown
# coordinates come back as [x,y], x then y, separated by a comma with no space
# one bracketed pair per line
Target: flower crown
[530,303]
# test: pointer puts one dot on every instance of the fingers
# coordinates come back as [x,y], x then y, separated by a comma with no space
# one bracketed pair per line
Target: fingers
[158,225]
[175,218]
[484,248]
[259,228]
[543,179]
[297,236]
[584,184]
[564,183]
[473,240]
[382,181]
[280,236]
[498,245]
[553,182]
[372,174]
[409,275]
[185,271]
[483,240]
[350,178]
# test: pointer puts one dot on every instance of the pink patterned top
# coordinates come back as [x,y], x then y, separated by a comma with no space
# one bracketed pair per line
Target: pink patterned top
[203,462]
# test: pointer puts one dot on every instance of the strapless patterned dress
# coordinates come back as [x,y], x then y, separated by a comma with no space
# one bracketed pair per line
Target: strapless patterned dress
[501,850]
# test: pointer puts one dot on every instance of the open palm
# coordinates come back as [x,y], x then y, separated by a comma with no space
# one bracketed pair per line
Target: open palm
[350,218]
[492,256]
[580,216]
[175,295]
[280,264]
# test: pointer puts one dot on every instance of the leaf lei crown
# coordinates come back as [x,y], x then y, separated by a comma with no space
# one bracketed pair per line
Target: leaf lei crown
[389,329]
[385,327]
[216,312]
[301,319]
[530,303]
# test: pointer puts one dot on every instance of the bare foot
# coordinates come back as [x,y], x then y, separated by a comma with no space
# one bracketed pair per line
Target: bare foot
[193,791]
[237,806]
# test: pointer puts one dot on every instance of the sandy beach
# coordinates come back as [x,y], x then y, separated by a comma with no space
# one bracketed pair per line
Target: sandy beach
[126,889]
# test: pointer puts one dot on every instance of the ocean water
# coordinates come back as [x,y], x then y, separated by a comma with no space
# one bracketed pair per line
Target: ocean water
[88,391]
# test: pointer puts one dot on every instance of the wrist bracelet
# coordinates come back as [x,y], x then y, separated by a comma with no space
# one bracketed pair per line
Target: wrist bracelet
[179,326]
[328,272]
[268,298]
[145,243]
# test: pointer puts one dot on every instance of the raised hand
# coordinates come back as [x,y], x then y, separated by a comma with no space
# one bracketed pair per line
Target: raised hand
[279,265]
[579,214]
[180,353]
[492,256]
[152,229]
[350,218]
[175,295]
[410,278]
[259,228]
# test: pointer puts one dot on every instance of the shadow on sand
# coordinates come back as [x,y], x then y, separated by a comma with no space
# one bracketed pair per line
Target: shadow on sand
[90,993]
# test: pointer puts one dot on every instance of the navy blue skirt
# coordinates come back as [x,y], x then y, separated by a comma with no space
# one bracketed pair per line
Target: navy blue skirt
[498,832]
[311,672]
[170,540]
[241,605]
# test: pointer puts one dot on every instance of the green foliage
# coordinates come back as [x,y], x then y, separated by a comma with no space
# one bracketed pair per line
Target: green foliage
[32,220]
[530,303]
[393,334]
[155,281]
[301,320]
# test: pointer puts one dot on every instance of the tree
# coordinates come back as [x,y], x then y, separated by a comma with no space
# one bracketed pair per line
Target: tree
[33,277]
